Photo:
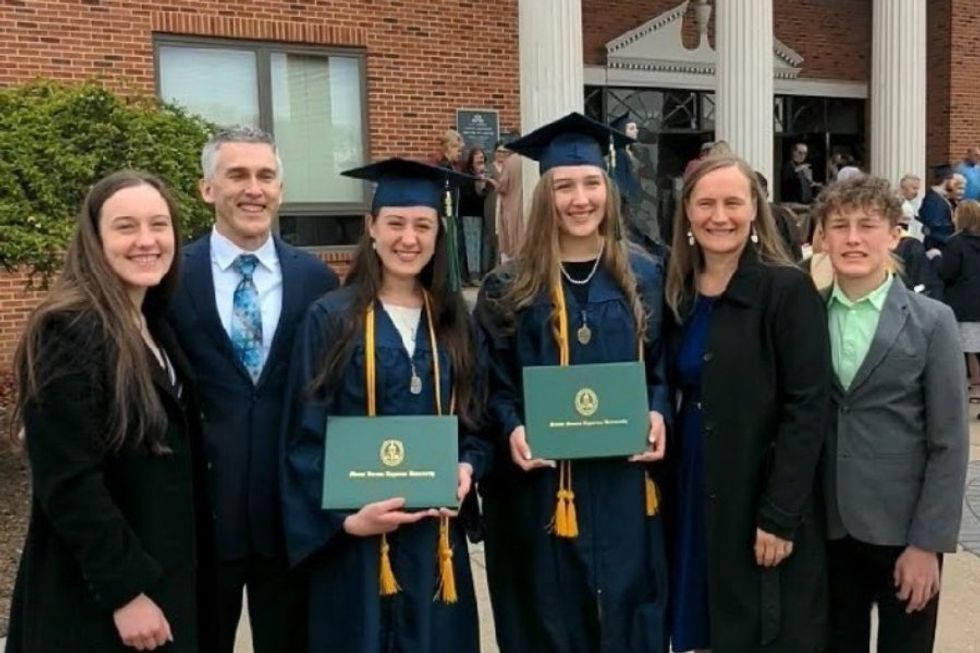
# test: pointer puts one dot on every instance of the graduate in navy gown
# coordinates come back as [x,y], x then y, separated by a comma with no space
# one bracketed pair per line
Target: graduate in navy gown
[421,332]
[604,587]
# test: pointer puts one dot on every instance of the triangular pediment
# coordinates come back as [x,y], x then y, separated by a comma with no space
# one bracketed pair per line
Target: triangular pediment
[658,45]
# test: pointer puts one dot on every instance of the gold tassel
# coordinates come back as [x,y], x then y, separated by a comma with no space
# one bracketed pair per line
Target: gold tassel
[565,522]
[389,586]
[447,577]
[652,494]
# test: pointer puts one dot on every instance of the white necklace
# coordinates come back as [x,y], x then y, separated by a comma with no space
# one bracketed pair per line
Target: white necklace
[595,266]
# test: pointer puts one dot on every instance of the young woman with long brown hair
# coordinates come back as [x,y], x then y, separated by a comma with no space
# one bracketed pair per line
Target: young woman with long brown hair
[110,425]
[397,296]
[576,294]
[751,361]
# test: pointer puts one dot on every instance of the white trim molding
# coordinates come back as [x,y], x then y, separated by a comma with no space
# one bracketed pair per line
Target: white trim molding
[658,46]
[602,76]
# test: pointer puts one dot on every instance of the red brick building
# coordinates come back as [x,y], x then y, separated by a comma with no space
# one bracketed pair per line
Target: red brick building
[344,81]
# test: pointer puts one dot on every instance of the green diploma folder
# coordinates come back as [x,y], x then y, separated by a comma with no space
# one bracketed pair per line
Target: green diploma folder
[368,459]
[586,411]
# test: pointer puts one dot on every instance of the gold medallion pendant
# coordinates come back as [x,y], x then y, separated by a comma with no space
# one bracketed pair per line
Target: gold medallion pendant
[584,334]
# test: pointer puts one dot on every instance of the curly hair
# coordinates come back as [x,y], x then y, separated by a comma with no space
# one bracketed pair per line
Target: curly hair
[859,193]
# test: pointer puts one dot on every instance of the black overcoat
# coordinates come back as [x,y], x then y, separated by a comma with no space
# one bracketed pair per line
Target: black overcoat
[766,386]
[104,526]
[959,269]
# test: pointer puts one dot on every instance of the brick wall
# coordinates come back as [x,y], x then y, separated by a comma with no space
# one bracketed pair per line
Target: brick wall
[425,58]
[16,302]
[963,71]
[833,36]
[938,58]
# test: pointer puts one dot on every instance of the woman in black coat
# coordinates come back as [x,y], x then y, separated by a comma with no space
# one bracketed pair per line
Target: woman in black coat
[959,269]
[751,359]
[110,560]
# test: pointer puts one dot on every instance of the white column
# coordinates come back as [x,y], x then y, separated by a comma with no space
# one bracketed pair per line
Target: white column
[898,82]
[743,97]
[550,33]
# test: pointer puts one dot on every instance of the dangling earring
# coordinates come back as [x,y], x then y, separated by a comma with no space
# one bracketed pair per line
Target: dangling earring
[754,237]
[690,238]
[374,245]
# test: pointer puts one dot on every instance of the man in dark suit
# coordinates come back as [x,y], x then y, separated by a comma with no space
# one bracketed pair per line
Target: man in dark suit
[243,291]
[896,460]
[936,211]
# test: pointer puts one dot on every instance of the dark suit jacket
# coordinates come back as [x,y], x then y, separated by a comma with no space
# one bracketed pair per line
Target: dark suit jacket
[936,216]
[242,419]
[765,401]
[959,268]
[917,270]
[897,457]
[104,526]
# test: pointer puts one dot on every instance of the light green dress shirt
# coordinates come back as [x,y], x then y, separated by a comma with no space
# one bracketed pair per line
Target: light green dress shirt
[852,328]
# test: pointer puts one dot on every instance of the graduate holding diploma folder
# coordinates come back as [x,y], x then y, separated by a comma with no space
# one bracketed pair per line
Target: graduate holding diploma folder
[574,549]
[395,340]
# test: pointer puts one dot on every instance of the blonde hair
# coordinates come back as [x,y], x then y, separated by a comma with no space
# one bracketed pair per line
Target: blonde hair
[720,148]
[968,216]
[687,260]
[537,268]
[451,137]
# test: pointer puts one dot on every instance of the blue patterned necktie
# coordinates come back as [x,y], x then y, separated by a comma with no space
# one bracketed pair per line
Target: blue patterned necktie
[246,317]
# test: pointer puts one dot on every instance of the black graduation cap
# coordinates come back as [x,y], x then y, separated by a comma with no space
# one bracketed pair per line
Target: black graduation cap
[570,141]
[404,182]
[619,123]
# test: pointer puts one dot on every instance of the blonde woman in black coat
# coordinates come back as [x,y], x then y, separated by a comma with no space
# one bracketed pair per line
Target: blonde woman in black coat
[102,392]
[959,269]
[751,360]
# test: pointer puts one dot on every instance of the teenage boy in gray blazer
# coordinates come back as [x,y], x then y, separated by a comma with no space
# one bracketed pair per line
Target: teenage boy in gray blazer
[896,460]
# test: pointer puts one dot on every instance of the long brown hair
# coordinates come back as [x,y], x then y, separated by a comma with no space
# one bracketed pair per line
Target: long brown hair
[687,260]
[88,288]
[968,216]
[449,315]
[537,269]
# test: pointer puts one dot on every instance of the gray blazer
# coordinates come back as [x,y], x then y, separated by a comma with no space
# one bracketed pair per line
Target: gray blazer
[898,453]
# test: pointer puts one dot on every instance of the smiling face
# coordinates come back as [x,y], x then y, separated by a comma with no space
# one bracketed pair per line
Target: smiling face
[720,211]
[245,190]
[580,195]
[404,239]
[859,242]
[137,236]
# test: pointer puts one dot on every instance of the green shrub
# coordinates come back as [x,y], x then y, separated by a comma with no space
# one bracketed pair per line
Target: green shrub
[56,140]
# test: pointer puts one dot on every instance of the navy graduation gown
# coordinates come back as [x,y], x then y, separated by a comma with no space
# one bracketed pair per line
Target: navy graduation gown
[346,612]
[605,590]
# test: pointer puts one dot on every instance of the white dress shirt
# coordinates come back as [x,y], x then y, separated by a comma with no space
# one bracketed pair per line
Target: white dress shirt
[267,278]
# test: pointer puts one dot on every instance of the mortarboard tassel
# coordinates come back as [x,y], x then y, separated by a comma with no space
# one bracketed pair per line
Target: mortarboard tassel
[452,241]
[447,577]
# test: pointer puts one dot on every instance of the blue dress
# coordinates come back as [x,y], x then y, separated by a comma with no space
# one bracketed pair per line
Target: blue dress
[689,564]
